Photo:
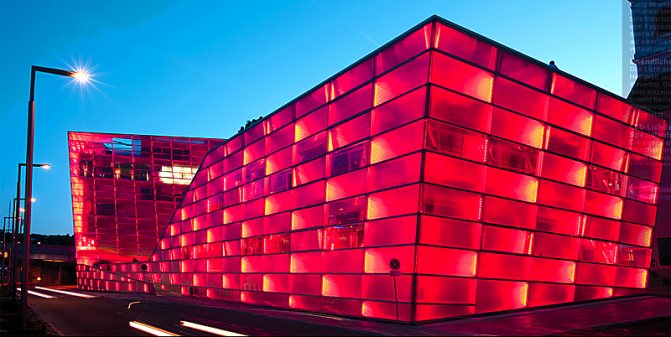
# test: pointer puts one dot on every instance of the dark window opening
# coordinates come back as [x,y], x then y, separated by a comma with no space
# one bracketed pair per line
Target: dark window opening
[348,159]
[280,181]
[347,211]
[512,156]
[105,209]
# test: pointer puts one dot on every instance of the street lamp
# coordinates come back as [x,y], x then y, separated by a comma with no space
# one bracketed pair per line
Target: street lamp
[81,77]
[15,230]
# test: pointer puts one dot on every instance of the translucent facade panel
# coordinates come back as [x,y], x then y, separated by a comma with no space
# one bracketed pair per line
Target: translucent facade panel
[395,231]
[644,167]
[455,262]
[500,295]
[573,91]
[411,45]
[651,123]
[311,124]
[523,70]
[612,132]
[521,99]
[615,108]
[566,143]
[352,78]
[402,110]
[509,212]
[397,142]
[446,290]
[401,80]
[350,105]
[447,171]
[460,110]
[570,116]
[600,228]
[312,100]
[399,171]
[541,294]
[511,185]
[449,232]
[462,77]
[517,128]
[635,235]
[564,170]
[560,195]
[506,240]
[504,266]
[464,46]
[392,202]
[647,144]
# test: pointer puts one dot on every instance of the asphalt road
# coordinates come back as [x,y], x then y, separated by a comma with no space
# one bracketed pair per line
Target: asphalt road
[110,315]
[104,316]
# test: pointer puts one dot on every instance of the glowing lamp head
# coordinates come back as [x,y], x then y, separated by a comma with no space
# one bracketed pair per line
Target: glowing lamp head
[33,200]
[46,166]
[81,76]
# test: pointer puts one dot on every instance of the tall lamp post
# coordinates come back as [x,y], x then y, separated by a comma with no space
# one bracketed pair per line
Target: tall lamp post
[81,77]
[16,222]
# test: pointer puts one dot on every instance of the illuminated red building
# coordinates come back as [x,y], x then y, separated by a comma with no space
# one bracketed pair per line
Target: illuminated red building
[499,183]
[125,189]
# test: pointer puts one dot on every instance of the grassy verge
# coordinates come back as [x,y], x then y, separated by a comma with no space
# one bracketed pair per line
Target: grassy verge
[10,320]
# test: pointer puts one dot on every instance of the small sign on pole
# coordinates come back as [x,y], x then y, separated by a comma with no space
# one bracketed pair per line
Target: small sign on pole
[395,266]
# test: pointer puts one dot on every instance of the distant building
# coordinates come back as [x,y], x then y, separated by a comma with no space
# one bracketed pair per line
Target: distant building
[50,263]
[652,89]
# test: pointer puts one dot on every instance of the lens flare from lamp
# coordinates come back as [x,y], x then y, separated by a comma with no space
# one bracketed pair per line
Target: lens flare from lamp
[81,76]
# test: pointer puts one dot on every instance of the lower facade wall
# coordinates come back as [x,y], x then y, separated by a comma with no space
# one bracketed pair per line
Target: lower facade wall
[363,296]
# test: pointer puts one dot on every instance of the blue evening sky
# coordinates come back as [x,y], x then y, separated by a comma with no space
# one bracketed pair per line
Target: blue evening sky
[203,68]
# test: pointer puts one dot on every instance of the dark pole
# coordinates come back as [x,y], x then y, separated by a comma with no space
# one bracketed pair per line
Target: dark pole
[4,249]
[29,186]
[15,235]
[28,206]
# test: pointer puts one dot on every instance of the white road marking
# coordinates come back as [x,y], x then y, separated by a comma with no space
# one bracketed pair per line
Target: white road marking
[37,294]
[152,330]
[208,329]
[65,292]
[131,303]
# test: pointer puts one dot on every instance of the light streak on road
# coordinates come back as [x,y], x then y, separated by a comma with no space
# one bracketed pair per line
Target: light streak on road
[65,292]
[208,329]
[152,330]
[35,293]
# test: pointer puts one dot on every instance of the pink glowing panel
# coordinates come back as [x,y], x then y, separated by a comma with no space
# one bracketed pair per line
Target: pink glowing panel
[462,77]
[523,70]
[464,46]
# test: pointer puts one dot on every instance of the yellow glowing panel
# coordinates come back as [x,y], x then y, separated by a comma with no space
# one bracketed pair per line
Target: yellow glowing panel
[481,86]
[178,175]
